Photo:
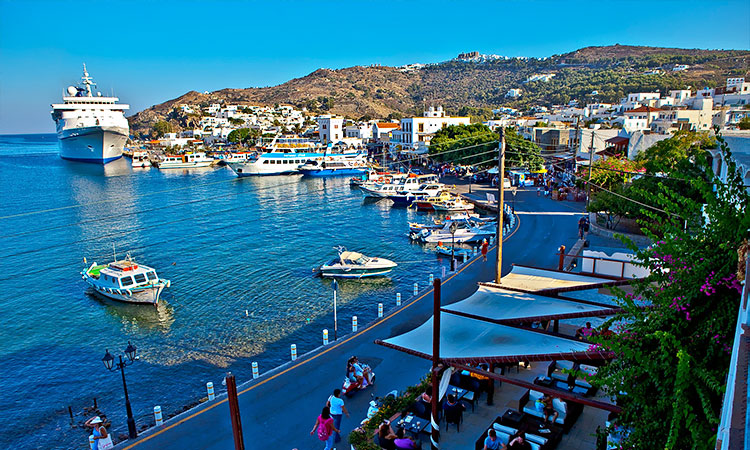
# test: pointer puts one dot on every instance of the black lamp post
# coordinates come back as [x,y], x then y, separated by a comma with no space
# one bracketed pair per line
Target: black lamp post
[109,363]
[453,227]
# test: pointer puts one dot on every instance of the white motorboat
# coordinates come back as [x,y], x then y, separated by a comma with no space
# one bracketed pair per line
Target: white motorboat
[355,265]
[186,161]
[125,281]
[455,204]
[427,190]
[140,159]
[465,232]
[91,128]
[410,183]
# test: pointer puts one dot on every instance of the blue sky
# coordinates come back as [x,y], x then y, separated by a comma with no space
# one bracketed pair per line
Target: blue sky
[152,51]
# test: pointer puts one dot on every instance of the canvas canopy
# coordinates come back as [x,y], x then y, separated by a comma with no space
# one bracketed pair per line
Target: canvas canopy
[534,279]
[466,340]
[498,305]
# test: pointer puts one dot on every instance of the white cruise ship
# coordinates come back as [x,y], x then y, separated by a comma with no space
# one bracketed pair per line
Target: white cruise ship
[91,128]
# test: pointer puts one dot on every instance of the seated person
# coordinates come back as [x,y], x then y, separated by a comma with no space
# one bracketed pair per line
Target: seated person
[606,332]
[361,370]
[426,397]
[351,373]
[453,409]
[585,332]
[404,442]
[491,442]
[518,442]
[386,436]
[548,409]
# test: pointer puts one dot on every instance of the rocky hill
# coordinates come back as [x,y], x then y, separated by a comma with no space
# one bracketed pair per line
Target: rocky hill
[474,88]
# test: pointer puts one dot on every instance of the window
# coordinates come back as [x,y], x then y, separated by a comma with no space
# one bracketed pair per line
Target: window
[126,281]
[324,126]
[140,278]
[421,128]
[151,275]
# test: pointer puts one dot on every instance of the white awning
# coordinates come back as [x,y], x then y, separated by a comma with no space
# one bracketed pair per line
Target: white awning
[533,279]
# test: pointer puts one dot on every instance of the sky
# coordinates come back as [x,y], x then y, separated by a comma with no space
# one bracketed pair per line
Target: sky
[147,52]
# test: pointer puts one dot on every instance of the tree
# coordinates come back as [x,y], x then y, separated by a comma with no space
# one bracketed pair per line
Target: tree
[239,135]
[744,123]
[476,144]
[162,127]
[672,357]
[236,121]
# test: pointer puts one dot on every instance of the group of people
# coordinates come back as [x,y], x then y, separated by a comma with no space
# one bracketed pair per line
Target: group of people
[588,331]
[328,423]
[516,442]
[398,440]
[358,372]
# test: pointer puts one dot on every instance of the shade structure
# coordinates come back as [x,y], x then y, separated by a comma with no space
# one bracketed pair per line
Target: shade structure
[535,279]
[472,341]
[506,306]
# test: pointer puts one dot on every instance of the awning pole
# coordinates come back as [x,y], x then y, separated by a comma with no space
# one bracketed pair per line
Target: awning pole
[500,203]
[435,436]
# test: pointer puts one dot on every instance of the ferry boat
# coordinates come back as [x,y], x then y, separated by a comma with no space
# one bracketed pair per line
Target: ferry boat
[186,161]
[355,265]
[140,159]
[334,165]
[125,281]
[91,128]
[283,156]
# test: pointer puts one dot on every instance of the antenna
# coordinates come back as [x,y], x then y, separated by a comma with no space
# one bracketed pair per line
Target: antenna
[114,255]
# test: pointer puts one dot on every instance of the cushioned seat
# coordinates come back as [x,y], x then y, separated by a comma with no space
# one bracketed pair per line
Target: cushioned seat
[589,371]
[557,372]
[560,406]
[534,438]
[504,429]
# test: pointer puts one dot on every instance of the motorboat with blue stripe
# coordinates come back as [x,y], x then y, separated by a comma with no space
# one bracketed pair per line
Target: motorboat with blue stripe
[355,265]
[125,281]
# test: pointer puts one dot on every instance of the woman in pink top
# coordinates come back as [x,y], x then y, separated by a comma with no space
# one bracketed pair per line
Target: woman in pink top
[324,426]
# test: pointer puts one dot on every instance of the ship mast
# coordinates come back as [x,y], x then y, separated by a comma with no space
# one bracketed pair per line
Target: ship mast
[87,81]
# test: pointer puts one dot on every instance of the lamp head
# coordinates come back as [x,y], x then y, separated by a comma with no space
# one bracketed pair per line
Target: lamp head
[130,351]
[108,360]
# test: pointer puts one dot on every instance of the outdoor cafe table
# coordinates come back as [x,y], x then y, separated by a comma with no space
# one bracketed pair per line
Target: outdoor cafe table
[457,391]
[413,424]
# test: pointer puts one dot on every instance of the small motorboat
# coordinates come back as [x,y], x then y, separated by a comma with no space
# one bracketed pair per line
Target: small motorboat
[465,231]
[425,203]
[406,198]
[125,281]
[457,204]
[442,250]
[140,159]
[355,265]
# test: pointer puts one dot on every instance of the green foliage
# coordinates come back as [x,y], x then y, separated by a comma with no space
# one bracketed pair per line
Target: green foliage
[672,357]
[479,145]
[744,123]
[244,136]
[361,438]
[162,127]
[236,121]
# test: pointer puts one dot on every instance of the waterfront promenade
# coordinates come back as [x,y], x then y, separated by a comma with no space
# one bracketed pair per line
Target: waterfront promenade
[279,409]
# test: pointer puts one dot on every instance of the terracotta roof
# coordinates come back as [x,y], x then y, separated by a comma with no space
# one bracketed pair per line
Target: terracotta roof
[644,109]
[387,125]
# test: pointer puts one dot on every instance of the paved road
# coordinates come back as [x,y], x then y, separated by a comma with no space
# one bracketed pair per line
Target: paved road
[279,409]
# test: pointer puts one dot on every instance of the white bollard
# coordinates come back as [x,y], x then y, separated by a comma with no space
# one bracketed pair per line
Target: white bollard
[354,324]
[157,416]
[91,441]
[294,351]
[255,370]
[443,272]
[431,279]
[210,390]
[474,251]
[416,288]
[325,337]
[380,310]
[398,299]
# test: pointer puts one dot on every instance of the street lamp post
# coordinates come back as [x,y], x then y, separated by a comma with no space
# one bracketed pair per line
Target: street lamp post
[453,227]
[109,363]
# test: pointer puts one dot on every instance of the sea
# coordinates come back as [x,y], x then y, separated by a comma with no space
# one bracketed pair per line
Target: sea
[240,255]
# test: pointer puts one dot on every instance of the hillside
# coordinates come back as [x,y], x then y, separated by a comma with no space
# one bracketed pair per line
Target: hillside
[475,88]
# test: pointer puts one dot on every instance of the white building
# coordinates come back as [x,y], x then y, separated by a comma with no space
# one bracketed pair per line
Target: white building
[361,130]
[383,131]
[680,68]
[640,119]
[638,99]
[416,132]
[330,128]
[513,93]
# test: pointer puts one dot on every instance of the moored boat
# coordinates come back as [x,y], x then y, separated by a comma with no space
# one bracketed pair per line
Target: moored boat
[186,161]
[335,165]
[456,204]
[140,159]
[355,265]
[125,281]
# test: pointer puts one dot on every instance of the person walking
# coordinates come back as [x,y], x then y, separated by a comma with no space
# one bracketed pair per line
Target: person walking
[99,433]
[485,249]
[337,408]
[581,227]
[325,428]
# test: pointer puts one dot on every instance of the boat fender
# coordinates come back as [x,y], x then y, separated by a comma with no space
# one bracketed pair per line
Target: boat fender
[130,293]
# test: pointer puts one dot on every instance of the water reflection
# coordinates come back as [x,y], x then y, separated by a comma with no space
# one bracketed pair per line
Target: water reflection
[142,317]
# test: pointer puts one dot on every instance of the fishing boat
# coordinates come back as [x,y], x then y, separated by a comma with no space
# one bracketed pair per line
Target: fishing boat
[140,159]
[456,204]
[125,281]
[186,161]
[355,265]
[335,165]
[425,203]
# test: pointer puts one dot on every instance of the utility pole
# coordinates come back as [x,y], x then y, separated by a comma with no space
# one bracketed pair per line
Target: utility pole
[591,163]
[500,203]
[234,412]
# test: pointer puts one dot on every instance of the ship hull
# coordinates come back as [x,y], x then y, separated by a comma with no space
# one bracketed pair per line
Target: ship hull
[95,145]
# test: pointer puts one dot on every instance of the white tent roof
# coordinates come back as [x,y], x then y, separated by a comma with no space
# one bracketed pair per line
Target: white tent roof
[502,304]
[533,279]
[470,340]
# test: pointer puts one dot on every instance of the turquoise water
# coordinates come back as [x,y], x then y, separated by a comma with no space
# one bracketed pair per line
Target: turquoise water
[239,253]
